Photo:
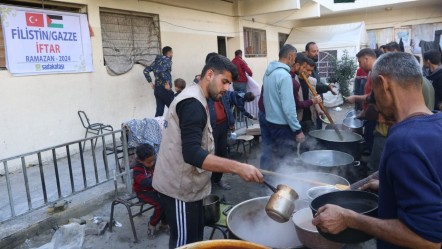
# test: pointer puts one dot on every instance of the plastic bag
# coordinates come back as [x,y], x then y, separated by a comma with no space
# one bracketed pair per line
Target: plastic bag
[252,86]
[70,236]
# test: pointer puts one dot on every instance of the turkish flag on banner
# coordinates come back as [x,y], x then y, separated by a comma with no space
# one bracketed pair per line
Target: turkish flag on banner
[34,20]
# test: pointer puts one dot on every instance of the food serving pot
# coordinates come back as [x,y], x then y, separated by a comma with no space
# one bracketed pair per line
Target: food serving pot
[223,244]
[351,143]
[211,204]
[249,221]
[329,161]
[359,201]
[320,190]
[353,124]
[302,182]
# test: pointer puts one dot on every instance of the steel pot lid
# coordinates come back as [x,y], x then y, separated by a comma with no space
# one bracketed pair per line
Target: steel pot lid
[332,136]
[326,158]
[353,123]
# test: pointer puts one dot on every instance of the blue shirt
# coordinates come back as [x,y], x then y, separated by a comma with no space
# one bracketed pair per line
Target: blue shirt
[410,177]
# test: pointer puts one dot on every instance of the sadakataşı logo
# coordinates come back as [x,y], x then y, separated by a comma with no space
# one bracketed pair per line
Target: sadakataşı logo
[39,67]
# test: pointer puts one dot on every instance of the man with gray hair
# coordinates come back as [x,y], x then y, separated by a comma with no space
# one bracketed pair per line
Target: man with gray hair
[281,127]
[410,174]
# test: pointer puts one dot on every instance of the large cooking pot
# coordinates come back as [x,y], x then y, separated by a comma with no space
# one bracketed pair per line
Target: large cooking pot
[353,124]
[350,143]
[211,209]
[329,161]
[320,190]
[249,221]
[223,244]
[359,201]
[302,182]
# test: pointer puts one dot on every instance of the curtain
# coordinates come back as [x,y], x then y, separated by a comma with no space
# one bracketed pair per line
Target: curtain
[129,39]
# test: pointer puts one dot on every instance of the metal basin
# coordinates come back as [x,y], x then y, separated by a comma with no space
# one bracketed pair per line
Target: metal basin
[249,221]
[223,244]
[330,161]
[350,143]
[211,209]
[320,190]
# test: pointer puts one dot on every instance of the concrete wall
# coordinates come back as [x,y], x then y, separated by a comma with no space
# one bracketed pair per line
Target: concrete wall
[378,19]
[41,111]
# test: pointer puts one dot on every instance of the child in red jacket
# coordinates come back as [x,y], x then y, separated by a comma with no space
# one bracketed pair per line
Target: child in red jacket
[142,186]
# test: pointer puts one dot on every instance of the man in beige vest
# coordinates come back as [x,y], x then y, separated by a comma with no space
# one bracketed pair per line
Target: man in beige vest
[185,160]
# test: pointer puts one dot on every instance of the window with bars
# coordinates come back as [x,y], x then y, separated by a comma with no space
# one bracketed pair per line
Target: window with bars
[129,38]
[255,42]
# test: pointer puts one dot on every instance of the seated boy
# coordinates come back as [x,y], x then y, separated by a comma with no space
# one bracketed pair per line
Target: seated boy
[142,186]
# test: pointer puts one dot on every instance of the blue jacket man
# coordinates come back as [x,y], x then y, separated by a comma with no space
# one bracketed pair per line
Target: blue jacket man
[281,127]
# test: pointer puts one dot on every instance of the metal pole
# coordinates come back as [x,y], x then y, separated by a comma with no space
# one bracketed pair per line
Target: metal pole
[8,184]
[25,176]
[126,164]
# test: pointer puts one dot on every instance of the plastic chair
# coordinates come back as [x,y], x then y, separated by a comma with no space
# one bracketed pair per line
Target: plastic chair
[95,128]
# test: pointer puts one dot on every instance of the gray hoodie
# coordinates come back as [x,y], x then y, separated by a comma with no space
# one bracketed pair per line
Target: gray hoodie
[279,101]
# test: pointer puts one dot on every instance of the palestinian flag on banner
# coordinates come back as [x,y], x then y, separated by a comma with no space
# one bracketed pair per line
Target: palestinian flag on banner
[54,21]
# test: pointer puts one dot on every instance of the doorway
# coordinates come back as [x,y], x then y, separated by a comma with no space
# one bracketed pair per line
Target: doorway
[222,48]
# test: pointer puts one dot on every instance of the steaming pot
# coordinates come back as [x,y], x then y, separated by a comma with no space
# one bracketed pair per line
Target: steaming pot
[330,161]
[249,221]
[350,143]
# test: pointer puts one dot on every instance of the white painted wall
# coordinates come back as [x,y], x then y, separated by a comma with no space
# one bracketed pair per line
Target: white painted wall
[382,19]
[41,111]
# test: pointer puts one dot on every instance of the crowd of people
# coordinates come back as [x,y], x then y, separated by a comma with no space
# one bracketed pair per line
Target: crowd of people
[402,133]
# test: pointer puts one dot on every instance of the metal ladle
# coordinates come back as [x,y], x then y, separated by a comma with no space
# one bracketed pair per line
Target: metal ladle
[281,204]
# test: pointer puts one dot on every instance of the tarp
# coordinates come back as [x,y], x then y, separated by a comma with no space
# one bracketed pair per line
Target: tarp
[350,36]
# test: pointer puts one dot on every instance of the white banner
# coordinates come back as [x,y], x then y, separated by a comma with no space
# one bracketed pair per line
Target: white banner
[45,42]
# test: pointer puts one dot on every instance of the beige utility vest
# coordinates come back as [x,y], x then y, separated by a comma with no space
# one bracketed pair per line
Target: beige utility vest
[174,177]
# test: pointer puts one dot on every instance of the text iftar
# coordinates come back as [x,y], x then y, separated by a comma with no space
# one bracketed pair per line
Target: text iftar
[44,35]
